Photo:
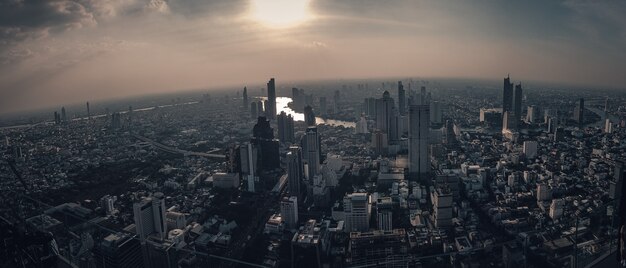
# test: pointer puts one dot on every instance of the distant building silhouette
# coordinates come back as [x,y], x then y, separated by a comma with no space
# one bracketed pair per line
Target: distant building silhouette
[309,116]
[263,137]
[285,128]
[270,109]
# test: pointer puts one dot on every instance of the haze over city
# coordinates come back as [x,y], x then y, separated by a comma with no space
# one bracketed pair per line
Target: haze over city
[68,51]
[312,133]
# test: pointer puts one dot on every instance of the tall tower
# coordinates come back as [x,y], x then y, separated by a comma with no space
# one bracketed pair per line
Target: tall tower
[285,128]
[63,115]
[419,130]
[313,152]
[245,98]
[295,171]
[507,95]
[149,216]
[401,98]
[517,106]
[271,97]
[309,116]
[580,112]
[88,112]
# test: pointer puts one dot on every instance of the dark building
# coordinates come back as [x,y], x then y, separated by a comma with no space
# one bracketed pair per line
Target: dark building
[63,115]
[259,108]
[270,109]
[309,116]
[517,107]
[117,251]
[580,112]
[254,113]
[372,249]
[245,98]
[401,98]
[295,171]
[263,137]
[507,98]
[285,128]
[323,106]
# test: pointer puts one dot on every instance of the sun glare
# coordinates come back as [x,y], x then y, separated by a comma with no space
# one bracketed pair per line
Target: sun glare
[280,13]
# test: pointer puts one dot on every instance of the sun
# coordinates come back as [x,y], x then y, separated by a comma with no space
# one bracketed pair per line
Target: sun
[280,13]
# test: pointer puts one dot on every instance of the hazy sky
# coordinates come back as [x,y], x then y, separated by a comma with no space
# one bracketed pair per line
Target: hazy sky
[63,51]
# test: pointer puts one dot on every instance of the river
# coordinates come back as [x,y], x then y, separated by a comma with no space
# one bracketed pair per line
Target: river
[282,105]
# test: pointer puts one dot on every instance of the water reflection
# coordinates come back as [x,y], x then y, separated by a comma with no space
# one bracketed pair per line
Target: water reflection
[282,105]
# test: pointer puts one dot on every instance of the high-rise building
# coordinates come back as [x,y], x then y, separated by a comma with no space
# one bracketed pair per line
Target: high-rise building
[435,113]
[517,107]
[270,110]
[401,98]
[295,171]
[285,128]
[309,116]
[579,112]
[384,112]
[259,108]
[245,98]
[544,193]
[379,142]
[63,115]
[608,126]
[254,112]
[530,149]
[419,131]
[118,250]
[356,212]
[313,152]
[268,147]
[379,248]
[248,164]
[149,216]
[289,212]
[507,95]
[323,106]
[88,112]
[442,205]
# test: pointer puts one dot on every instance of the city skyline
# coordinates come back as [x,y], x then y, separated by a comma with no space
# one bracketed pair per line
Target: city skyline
[68,51]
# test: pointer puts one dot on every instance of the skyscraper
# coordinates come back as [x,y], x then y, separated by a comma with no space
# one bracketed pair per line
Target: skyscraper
[271,97]
[263,137]
[245,98]
[313,152]
[309,116]
[117,251]
[580,112]
[384,112]
[88,112]
[419,130]
[254,113]
[259,108]
[401,98]
[248,158]
[285,128]
[295,172]
[289,211]
[63,115]
[149,216]
[507,95]
[517,107]
[323,106]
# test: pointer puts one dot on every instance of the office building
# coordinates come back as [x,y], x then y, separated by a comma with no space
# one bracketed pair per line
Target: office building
[517,107]
[285,128]
[436,116]
[442,205]
[356,211]
[507,96]
[245,98]
[380,143]
[270,109]
[530,149]
[401,98]
[268,147]
[378,248]
[309,116]
[579,112]
[254,112]
[118,250]
[419,131]
[289,212]
[248,163]
[384,219]
[295,171]
[323,106]
[313,152]
[149,216]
